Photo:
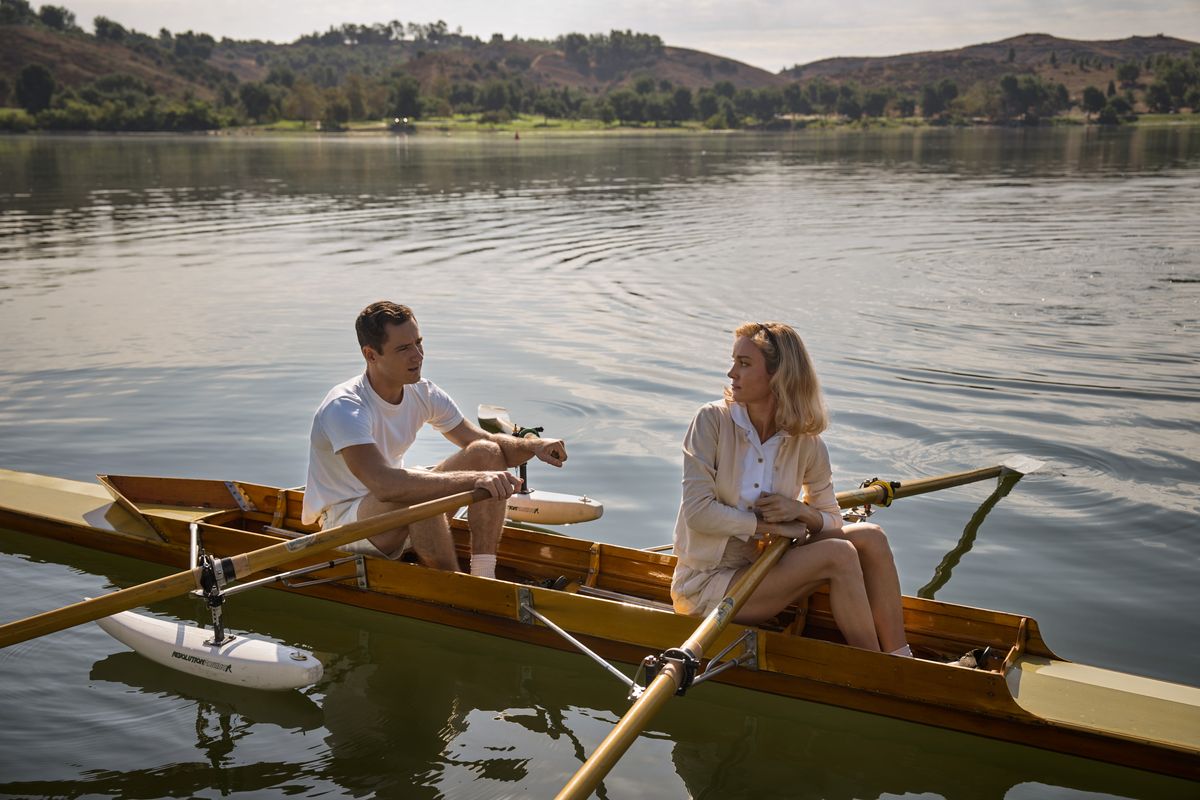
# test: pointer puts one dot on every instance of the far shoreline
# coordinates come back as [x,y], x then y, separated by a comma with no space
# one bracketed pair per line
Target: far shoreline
[526,126]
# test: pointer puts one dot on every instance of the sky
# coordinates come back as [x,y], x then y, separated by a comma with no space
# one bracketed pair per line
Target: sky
[771,34]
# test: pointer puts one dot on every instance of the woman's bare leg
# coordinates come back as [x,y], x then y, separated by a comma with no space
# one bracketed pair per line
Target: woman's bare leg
[800,571]
[882,582]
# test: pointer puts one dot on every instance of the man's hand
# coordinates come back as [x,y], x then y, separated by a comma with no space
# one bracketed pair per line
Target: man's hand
[777,508]
[501,484]
[552,451]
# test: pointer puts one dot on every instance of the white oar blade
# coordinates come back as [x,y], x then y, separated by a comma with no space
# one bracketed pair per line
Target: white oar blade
[1022,464]
[494,419]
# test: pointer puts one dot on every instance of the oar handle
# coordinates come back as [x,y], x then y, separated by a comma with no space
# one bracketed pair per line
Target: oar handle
[238,566]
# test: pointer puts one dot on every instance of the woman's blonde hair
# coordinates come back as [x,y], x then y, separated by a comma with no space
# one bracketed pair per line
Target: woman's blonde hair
[799,406]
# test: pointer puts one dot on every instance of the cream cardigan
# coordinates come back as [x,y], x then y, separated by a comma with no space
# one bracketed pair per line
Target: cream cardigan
[714,451]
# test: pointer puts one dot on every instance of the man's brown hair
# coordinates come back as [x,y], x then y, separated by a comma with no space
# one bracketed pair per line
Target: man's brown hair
[372,322]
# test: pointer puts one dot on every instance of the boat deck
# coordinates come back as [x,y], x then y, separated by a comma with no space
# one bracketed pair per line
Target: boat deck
[1095,698]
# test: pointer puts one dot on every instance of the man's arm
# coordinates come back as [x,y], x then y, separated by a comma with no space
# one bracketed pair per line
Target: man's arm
[406,487]
[516,451]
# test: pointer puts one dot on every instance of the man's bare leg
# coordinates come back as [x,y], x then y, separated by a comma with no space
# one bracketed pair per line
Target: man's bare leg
[430,538]
[486,517]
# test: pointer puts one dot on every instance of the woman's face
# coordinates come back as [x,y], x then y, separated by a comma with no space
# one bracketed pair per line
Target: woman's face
[751,381]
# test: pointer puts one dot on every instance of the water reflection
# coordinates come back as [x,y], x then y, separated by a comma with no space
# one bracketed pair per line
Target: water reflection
[412,709]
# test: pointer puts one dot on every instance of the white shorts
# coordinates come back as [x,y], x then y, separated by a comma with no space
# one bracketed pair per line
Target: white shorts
[697,592]
[344,513]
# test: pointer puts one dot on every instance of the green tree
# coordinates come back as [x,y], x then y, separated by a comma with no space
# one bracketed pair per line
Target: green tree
[931,101]
[494,96]
[16,12]
[847,102]
[1128,73]
[548,105]
[304,102]
[906,106]
[726,116]
[337,110]
[404,97]
[1192,99]
[656,108]
[627,105]
[1121,105]
[794,99]
[875,101]
[35,88]
[823,95]
[1112,89]
[644,85]
[1053,59]
[1093,100]
[1158,97]
[575,51]
[57,17]
[1012,55]
[109,30]
[681,107]
[707,103]
[1179,75]
[355,90]
[5,89]
[256,99]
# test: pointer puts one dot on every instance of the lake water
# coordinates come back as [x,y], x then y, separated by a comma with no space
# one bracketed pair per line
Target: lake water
[179,306]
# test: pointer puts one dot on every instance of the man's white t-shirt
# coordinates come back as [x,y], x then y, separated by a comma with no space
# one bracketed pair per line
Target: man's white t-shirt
[352,413]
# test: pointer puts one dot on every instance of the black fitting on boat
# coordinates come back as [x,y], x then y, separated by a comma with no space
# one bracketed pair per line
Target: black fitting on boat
[211,585]
[687,662]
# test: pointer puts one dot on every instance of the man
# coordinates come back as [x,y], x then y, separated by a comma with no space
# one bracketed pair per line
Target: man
[363,428]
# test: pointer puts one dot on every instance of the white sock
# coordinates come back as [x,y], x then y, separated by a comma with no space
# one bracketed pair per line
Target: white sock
[905,651]
[483,565]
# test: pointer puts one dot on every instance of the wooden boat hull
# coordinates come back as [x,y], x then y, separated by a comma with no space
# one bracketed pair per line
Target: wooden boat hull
[1029,696]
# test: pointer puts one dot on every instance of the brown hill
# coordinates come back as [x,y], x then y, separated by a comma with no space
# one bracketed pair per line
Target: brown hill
[76,59]
[1031,53]
[538,63]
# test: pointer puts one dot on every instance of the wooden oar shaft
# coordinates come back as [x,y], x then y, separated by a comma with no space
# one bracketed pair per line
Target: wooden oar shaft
[234,567]
[668,680]
[877,494]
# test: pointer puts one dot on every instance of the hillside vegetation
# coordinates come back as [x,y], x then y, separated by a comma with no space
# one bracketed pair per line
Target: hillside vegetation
[55,75]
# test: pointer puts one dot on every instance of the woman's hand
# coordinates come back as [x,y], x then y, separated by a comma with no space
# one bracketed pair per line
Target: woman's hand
[778,508]
[791,530]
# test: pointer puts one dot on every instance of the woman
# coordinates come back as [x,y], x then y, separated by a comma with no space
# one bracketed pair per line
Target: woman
[746,460]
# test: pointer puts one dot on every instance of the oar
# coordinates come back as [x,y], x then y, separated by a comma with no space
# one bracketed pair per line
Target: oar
[231,568]
[669,679]
[876,492]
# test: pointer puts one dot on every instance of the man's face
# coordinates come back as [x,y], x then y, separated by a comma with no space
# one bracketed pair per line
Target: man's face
[402,355]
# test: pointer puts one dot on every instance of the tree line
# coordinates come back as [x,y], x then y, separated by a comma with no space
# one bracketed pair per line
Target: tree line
[334,78]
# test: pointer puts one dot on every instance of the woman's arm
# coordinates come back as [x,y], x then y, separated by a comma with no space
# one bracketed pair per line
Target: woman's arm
[703,511]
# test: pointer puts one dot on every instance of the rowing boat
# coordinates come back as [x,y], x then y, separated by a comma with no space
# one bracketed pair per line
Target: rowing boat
[615,601]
